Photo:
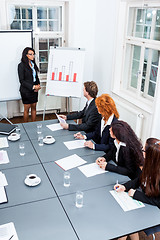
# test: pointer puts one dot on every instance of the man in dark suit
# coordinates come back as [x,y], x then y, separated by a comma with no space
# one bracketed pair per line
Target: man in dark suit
[89,115]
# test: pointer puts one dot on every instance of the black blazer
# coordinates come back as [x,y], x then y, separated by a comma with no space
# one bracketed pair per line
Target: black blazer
[125,165]
[26,78]
[140,195]
[104,142]
[90,118]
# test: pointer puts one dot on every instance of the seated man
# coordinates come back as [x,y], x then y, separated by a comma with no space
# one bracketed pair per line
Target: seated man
[90,116]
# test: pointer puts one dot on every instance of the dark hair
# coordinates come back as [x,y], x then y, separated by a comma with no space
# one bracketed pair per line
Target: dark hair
[24,58]
[124,133]
[91,88]
[106,106]
[150,178]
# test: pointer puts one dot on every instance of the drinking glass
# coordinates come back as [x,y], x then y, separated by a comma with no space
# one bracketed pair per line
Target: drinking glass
[79,199]
[39,128]
[40,139]
[21,149]
[67,177]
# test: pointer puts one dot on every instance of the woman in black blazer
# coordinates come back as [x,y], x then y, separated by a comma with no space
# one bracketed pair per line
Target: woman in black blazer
[126,151]
[29,82]
[101,136]
[148,181]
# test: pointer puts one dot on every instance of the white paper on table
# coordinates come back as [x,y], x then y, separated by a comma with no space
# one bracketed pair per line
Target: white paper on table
[61,120]
[3,157]
[54,127]
[75,144]
[92,169]
[125,201]
[70,162]
[3,180]
[3,197]
[3,142]
[7,231]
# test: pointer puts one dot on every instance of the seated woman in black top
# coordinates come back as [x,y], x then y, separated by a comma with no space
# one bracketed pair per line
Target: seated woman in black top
[126,151]
[148,181]
[101,136]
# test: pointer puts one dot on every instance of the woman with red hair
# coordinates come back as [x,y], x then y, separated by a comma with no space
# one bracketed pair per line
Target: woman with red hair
[101,136]
[149,182]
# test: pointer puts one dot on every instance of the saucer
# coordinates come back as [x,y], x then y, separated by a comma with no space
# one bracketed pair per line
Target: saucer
[28,182]
[49,140]
[14,137]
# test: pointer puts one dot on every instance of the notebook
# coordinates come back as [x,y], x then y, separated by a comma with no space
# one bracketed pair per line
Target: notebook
[6,128]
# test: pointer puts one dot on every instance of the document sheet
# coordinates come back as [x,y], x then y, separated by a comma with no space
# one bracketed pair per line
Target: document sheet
[92,169]
[3,180]
[70,162]
[125,201]
[61,120]
[75,144]
[54,127]
[3,157]
[3,142]
[3,197]
[8,231]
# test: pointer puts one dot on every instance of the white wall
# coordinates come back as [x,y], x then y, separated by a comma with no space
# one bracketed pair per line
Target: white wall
[92,25]
[105,33]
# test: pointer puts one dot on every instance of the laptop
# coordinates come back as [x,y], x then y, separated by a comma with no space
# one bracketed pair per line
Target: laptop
[7,128]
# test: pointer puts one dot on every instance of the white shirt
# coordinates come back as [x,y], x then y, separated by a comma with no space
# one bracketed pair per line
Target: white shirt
[118,145]
[89,101]
[103,124]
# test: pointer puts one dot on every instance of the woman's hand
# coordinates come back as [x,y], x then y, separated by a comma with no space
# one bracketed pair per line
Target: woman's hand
[64,125]
[119,188]
[79,136]
[131,192]
[36,88]
[63,116]
[89,144]
[100,159]
[103,165]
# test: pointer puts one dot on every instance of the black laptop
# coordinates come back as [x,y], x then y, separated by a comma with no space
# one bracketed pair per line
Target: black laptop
[7,128]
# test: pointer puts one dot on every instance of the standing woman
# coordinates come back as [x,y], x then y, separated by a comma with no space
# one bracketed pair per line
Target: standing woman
[29,82]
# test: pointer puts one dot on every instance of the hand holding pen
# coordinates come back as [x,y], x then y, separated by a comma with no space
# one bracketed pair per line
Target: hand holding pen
[100,160]
[119,188]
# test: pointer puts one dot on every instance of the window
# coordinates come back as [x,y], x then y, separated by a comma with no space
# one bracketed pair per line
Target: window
[142,51]
[47,25]
[22,18]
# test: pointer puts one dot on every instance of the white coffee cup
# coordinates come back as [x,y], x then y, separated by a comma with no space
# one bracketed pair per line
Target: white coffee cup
[48,139]
[33,178]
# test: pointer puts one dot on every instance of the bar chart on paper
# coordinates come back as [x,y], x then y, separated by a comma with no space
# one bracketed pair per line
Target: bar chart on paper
[65,72]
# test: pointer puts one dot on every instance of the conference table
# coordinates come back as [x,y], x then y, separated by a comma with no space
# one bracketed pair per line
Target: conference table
[47,211]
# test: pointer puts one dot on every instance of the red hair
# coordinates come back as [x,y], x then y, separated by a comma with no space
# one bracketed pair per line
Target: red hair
[106,106]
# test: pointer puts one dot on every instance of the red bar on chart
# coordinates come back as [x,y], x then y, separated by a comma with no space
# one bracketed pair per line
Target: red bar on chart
[67,78]
[60,76]
[52,75]
[74,77]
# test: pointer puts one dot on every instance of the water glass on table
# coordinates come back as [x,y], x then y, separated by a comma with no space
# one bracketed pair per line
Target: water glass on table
[39,128]
[40,139]
[21,149]
[18,131]
[79,199]
[66,178]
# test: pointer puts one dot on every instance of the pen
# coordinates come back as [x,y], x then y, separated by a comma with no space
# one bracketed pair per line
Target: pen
[11,237]
[117,184]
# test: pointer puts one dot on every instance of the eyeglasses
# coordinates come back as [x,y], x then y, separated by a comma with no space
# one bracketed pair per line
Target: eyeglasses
[30,54]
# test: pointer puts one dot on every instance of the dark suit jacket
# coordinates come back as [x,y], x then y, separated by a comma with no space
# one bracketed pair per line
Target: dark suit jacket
[90,118]
[26,78]
[125,165]
[104,142]
[140,195]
